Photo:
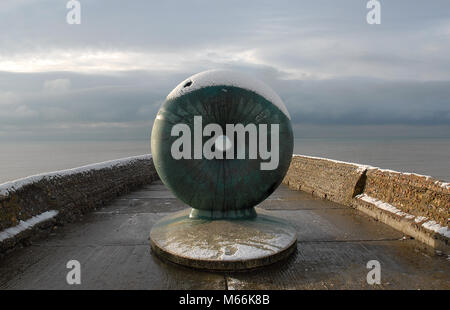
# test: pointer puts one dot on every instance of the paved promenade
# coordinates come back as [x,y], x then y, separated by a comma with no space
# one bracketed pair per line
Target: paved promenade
[334,245]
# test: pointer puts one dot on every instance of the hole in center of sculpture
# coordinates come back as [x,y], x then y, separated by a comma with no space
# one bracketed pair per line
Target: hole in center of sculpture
[222,143]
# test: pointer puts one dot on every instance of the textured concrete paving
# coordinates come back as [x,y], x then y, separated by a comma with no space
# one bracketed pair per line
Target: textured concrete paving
[334,245]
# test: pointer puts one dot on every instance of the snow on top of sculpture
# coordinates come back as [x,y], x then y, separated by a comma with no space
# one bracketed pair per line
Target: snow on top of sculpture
[227,78]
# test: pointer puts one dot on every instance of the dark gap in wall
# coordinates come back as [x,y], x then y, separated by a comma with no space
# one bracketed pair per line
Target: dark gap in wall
[360,184]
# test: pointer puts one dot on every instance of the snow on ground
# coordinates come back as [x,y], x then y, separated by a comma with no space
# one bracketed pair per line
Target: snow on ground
[420,219]
[12,186]
[24,225]
[384,206]
[430,225]
[228,78]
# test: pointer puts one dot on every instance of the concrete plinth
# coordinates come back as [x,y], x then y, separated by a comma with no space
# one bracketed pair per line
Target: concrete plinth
[223,244]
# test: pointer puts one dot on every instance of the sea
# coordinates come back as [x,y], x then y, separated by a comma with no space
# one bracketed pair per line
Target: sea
[427,156]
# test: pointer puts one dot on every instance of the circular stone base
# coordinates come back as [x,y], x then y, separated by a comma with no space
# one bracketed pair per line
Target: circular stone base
[223,244]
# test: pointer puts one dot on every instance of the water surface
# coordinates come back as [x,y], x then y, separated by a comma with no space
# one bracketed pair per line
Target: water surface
[423,156]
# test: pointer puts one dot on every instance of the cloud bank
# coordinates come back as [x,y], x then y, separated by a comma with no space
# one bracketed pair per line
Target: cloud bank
[107,77]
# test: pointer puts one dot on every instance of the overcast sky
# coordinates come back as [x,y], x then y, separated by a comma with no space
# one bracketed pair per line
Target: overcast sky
[338,75]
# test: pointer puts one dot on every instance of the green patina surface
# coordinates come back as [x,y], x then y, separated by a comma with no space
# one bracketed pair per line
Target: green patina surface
[220,188]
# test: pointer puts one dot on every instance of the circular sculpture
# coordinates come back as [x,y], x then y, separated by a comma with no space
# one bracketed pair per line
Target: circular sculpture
[222,142]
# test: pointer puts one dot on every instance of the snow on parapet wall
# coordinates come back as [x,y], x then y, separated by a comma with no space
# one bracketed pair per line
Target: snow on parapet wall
[228,78]
[24,225]
[15,185]
[362,167]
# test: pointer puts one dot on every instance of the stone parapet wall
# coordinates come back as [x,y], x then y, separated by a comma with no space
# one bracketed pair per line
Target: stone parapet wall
[417,205]
[411,193]
[330,179]
[66,195]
